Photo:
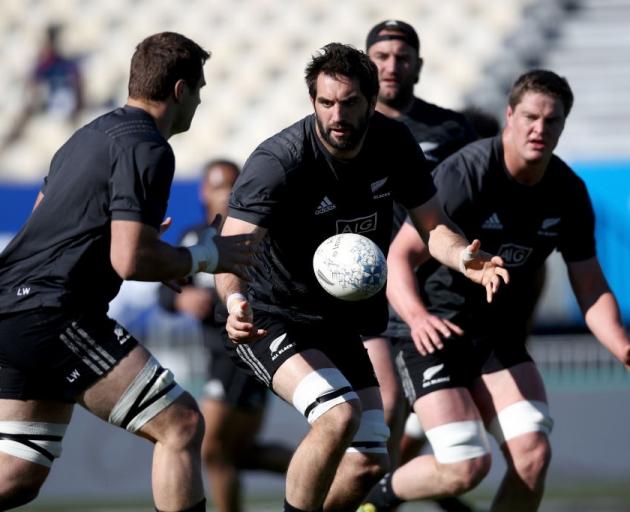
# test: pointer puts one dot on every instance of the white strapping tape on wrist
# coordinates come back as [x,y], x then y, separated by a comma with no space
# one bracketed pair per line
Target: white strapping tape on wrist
[207,253]
[464,257]
[232,297]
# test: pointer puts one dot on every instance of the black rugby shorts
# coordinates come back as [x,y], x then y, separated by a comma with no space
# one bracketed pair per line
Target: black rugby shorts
[50,354]
[462,360]
[285,338]
[232,385]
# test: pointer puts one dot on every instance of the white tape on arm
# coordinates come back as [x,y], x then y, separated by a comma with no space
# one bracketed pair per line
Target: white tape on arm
[464,257]
[205,254]
[232,298]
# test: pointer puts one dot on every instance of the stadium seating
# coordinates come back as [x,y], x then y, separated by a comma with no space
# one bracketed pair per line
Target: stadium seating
[259,47]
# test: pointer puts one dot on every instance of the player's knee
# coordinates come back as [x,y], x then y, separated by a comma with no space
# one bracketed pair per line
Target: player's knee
[341,422]
[327,400]
[150,394]
[20,483]
[184,427]
[30,448]
[532,458]
[369,469]
[466,474]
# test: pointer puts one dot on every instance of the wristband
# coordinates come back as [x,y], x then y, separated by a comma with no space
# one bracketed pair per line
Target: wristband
[233,297]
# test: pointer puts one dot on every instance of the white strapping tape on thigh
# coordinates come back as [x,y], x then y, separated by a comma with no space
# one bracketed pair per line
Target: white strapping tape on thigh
[460,440]
[152,391]
[413,427]
[31,440]
[521,418]
[373,433]
[320,391]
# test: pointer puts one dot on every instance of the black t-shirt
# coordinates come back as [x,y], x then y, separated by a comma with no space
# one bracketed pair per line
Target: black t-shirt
[439,132]
[118,167]
[522,224]
[294,188]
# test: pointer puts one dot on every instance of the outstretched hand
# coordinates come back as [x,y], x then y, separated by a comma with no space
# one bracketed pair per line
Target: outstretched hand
[483,268]
[240,322]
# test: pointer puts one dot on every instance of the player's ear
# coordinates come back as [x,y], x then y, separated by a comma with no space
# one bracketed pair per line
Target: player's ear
[178,90]
[419,64]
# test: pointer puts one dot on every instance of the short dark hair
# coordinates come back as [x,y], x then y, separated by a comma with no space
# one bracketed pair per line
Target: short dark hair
[545,82]
[345,60]
[160,61]
[222,162]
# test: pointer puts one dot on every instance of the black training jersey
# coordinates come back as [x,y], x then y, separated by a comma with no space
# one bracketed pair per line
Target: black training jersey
[294,188]
[439,131]
[118,167]
[522,224]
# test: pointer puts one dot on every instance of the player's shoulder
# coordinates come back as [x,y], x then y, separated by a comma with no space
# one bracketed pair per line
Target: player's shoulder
[128,126]
[386,132]
[431,113]
[474,158]
[290,145]
[563,175]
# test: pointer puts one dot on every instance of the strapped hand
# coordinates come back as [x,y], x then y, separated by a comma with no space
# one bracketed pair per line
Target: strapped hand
[483,268]
[217,254]
[239,325]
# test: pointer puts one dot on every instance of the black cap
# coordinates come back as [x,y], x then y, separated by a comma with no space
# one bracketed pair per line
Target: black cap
[405,31]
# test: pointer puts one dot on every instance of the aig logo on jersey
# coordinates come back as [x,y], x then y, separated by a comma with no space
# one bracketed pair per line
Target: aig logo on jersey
[514,255]
[358,225]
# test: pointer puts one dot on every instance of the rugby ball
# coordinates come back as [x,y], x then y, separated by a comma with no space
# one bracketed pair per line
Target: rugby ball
[350,266]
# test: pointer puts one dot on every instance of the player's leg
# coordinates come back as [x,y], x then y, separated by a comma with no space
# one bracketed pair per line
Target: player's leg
[460,459]
[513,403]
[31,434]
[412,441]
[318,390]
[435,384]
[233,408]
[365,460]
[38,375]
[223,477]
[137,394]
[394,405]
[306,365]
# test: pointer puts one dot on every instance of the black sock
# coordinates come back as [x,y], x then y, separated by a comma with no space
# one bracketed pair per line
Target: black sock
[199,507]
[382,495]
[452,504]
[290,508]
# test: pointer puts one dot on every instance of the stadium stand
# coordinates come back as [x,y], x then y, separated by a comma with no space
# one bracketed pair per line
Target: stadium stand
[255,75]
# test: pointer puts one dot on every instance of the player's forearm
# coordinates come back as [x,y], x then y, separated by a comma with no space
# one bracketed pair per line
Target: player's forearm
[402,291]
[154,261]
[603,319]
[446,245]
[227,284]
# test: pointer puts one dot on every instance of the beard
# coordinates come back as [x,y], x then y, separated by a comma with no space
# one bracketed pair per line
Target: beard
[398,99]
[352,140]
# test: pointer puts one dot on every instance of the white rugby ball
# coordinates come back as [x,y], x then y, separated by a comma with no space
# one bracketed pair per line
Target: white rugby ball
[350,266]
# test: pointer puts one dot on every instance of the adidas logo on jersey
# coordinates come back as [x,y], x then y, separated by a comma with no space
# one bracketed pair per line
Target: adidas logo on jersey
[492,222]
[325,206]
